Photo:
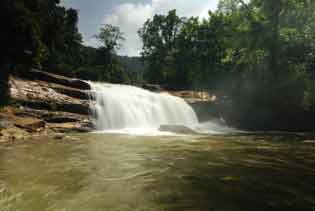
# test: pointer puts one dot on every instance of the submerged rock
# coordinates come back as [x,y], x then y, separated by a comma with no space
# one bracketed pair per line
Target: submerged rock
[177,129]
[58,136]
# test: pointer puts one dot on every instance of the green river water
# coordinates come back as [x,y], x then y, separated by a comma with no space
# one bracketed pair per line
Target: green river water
[103,172]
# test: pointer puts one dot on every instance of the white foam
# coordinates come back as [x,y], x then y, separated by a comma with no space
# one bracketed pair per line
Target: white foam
[120,107]
[131,110]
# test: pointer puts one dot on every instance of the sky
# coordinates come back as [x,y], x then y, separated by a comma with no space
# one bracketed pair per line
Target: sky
[130,15]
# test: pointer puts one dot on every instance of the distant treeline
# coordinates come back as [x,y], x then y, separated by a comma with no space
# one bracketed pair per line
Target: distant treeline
[258,54]
[43,34]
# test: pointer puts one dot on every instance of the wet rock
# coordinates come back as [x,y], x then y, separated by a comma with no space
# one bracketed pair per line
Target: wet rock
[194,96]
[70,127]
[152,87]
[177,129]
[13,134]
[206,111]
[52,78]
[29,124]
[56,117]
[5,124]
[83,108]
[83,129]
[59,119]
[58,136]
[75,93]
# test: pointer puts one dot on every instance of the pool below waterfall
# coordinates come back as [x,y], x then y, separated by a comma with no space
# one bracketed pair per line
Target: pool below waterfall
[97,172]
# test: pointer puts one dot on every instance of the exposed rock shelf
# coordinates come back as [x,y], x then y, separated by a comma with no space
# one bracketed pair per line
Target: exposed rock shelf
[46,102]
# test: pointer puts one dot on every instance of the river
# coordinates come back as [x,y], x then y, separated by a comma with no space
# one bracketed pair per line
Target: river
[105,172]
[128,164]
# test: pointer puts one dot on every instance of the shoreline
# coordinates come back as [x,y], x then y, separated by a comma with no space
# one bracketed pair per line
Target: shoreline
[49,104]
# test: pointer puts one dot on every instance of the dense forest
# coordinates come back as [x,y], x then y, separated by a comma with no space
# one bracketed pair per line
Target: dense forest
[44,35]
[258,55]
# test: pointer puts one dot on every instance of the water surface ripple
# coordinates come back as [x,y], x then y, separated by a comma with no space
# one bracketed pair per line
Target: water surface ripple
[103,172]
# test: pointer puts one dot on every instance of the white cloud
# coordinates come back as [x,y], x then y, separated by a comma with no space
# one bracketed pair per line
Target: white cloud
[130,17]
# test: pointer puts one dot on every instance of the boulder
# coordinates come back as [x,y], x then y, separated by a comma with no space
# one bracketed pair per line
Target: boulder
[181,129]
[83,109]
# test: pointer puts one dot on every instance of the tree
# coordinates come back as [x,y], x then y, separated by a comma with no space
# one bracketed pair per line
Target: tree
[38,34]
[110,37]
[159,37]
[20,41]
[260,53]
[228,6]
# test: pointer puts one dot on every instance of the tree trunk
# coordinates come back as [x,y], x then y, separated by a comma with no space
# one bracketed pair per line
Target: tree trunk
[275,47]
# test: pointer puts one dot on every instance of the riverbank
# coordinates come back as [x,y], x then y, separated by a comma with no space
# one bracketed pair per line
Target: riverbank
[44,103]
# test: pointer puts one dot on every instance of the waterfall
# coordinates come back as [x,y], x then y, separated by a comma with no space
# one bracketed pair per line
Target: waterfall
[123,107]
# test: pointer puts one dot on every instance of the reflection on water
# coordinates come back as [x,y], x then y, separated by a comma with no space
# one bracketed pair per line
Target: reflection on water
[97,172]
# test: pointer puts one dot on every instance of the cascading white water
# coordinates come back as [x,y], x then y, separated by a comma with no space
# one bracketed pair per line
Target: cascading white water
[127,107]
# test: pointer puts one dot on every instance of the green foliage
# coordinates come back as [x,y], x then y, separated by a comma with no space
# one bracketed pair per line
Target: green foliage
[42,34]
[101,64]
[110,37]
[134,68]
[20,40]
[159,37]
[260,53]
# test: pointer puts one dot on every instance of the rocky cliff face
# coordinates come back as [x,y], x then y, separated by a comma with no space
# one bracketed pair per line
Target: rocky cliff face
[46,102]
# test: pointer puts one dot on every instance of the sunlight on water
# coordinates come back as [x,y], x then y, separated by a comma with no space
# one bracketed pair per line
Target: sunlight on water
[213,128]
[103,172]
[138,131]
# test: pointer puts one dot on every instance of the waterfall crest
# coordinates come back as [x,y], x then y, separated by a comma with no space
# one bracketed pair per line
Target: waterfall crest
[122,107]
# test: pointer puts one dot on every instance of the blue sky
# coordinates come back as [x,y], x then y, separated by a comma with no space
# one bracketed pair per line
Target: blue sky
[129,15]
